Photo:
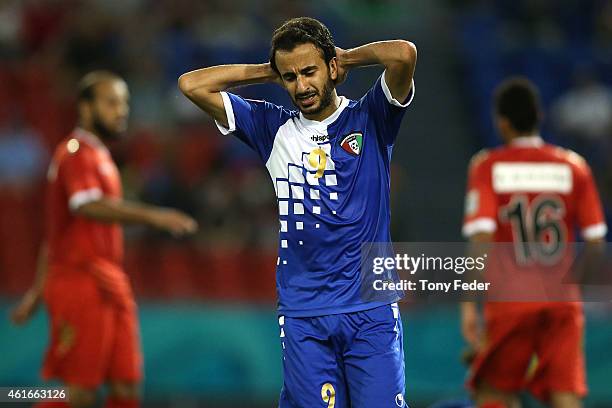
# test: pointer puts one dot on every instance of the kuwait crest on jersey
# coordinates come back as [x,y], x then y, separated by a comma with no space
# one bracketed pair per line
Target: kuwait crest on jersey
[352,143]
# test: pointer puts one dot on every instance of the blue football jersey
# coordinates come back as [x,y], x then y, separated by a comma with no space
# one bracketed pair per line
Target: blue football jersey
[332,184]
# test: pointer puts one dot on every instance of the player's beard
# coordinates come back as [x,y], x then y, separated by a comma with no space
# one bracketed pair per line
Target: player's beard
[326,98]
[104,132]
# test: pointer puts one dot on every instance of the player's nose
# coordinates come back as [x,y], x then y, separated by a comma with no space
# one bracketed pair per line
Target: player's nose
[302,84]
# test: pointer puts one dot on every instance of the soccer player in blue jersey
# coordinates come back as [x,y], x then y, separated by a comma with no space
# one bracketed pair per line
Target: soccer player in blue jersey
[329,162]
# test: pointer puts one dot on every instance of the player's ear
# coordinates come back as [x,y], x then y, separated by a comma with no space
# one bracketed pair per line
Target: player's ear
[333,68]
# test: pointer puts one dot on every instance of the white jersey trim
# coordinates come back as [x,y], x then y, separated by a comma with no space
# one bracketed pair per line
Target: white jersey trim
[595,231]
[479,225]
[83,197]
[229,112]
[390,97]
[344,102]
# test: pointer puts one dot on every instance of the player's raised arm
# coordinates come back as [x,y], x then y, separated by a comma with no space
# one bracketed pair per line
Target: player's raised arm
[397,56]
[203,86]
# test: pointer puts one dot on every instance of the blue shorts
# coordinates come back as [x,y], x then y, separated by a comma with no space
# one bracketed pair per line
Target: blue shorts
[350,360]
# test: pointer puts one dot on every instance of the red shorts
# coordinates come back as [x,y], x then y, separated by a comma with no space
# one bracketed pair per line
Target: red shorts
[94,338]
[540,350]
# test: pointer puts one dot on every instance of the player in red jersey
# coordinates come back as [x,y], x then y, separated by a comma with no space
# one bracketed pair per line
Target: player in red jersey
[534,195]
[93,323]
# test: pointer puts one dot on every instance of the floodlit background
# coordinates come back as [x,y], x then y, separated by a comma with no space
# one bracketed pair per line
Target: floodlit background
[207,304]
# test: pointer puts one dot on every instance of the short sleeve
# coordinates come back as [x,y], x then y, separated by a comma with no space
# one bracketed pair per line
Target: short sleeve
[590,214]
[480,214]
[78,173]
[386,111]
[254,122]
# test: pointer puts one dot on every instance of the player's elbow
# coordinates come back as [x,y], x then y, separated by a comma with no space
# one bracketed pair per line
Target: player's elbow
[185,84]
[195,88]
[406,52]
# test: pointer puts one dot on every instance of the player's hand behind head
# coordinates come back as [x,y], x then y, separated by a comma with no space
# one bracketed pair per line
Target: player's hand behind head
[279,81]
[175,222]
[26,307]
[274,77]
[342,69]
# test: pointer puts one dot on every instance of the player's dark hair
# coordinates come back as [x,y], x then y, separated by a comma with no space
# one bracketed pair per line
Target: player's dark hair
[518,100]
[87,84]
[302,30]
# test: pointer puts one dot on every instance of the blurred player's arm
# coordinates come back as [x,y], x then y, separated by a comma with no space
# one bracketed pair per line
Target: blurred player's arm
[203,86]
[31,300]
[479,227]
[127,212]
[471,322]
[79,173]
[591,218]
[397,56]
[593,229]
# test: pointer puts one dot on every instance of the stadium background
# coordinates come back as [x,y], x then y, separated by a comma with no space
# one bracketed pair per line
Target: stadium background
[207,304]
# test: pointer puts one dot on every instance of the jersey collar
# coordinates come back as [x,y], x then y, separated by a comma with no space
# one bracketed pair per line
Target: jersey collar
[527,141]
[328,120]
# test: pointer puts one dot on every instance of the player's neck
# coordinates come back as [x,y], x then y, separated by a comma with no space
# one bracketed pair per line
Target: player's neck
[328,111]
[521,138]
[91,132]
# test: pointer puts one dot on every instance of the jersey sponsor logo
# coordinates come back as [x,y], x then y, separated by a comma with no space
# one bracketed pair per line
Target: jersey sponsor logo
[319,138]
[352,143]
[531,177]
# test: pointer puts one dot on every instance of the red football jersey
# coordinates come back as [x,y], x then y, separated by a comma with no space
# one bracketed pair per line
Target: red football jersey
[83,171]
[534,195]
